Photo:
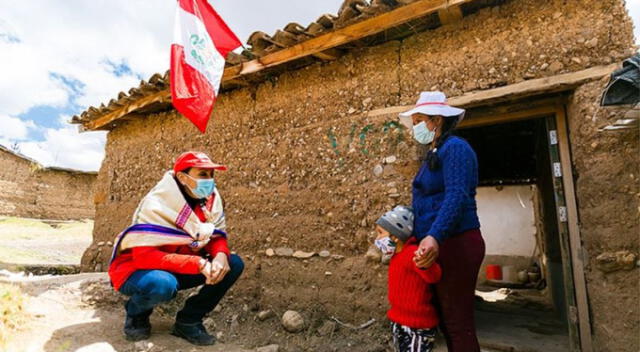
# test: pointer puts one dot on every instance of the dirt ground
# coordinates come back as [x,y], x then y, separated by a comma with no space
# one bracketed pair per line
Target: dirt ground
[82,313]
[34,241]
[61,319]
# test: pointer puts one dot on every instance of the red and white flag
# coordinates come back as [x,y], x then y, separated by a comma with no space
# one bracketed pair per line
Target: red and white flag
[201,43]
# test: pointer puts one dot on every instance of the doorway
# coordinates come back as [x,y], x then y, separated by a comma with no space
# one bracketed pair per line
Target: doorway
[524,218]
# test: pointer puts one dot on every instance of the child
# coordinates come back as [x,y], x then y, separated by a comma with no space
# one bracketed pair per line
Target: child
[413,317]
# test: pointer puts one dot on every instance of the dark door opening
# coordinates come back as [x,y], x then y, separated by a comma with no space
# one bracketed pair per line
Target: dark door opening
[523,310]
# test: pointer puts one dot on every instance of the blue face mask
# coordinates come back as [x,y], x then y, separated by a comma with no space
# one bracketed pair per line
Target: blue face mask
[423,134]
[204,187]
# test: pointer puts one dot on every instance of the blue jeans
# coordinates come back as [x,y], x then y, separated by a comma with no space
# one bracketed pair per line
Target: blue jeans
[148,288]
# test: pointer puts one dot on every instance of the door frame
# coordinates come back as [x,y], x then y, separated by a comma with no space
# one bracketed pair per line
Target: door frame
[578,315]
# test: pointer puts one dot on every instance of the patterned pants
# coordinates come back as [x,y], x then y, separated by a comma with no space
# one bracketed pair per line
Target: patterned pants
[406,339]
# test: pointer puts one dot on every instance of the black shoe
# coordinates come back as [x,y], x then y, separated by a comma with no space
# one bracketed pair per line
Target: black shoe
[194,333]
[137,328]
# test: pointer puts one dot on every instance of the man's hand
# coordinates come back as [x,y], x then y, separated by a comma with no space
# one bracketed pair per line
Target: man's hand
[219,269]
[205,268]
[427,252]
[205,231]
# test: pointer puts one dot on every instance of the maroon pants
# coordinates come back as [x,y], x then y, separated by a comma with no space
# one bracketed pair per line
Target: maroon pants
[460,259]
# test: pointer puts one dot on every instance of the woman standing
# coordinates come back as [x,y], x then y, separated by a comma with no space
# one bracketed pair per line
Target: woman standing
[177,241]
[446,220]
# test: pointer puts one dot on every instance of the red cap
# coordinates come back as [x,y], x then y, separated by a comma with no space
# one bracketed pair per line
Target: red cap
[196,159]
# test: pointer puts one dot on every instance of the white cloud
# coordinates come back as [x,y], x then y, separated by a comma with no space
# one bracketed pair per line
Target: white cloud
[14,129]
[65,147]
[46,40]
[43,43]
[633,6]
[73,40]
[75,37]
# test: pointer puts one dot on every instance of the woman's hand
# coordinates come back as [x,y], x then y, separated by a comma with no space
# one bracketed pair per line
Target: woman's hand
[219,269]
[427,252]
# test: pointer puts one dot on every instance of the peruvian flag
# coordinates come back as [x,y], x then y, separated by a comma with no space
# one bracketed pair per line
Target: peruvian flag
[201,43]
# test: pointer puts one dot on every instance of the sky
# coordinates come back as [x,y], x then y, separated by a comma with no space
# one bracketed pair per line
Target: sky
[57,58]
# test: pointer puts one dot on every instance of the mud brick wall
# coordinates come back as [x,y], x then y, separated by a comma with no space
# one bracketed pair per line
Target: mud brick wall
[514,42]
[607,171]
[28,190]
[302,151]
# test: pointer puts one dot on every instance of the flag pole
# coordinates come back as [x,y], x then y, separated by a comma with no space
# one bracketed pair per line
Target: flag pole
[245,50]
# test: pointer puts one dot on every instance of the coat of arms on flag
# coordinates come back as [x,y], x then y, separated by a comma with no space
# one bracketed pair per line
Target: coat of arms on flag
[202,41]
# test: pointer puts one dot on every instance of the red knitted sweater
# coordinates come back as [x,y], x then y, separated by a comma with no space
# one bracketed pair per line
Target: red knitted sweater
[409,290]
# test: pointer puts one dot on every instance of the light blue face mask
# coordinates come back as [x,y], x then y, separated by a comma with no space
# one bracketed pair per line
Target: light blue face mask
[423,134]
[204,187]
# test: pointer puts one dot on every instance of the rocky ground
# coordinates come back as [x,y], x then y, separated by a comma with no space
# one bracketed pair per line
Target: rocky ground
[294,312]
[81,312]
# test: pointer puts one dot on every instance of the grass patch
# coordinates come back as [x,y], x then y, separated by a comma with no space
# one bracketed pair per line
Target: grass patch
[11,311]
[33,229]
[34,256]
[32,241]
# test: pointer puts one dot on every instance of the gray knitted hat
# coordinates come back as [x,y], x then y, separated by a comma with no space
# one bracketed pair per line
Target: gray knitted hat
[399,222]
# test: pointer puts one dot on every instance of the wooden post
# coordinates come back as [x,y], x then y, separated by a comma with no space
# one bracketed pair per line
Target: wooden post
[563,233]
[574,232]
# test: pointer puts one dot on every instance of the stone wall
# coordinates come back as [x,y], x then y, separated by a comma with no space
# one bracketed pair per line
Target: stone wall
[309,171]
[32,191]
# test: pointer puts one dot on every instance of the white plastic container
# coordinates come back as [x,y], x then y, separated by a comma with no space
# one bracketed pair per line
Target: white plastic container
[509,274]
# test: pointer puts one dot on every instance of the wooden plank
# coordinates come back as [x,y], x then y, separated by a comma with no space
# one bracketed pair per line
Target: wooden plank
[328,55]
[344,35]
[551,84]
[493,119]
[450,15]
[574,232]
[161,96]
[563,234]
[238,82]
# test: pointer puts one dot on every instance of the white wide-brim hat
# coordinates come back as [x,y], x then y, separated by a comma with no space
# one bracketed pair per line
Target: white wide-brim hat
[432,104]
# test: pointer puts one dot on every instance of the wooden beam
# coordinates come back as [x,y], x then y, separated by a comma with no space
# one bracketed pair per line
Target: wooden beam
[450,15]
[161,96]
[328,55]
[322,47]
[493,119]
[551,84]
[344,35]
[238,82]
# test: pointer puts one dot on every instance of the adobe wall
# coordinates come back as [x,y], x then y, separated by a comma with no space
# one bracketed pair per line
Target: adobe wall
[302,154]
[508,218]
[28,190]
[607,171]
